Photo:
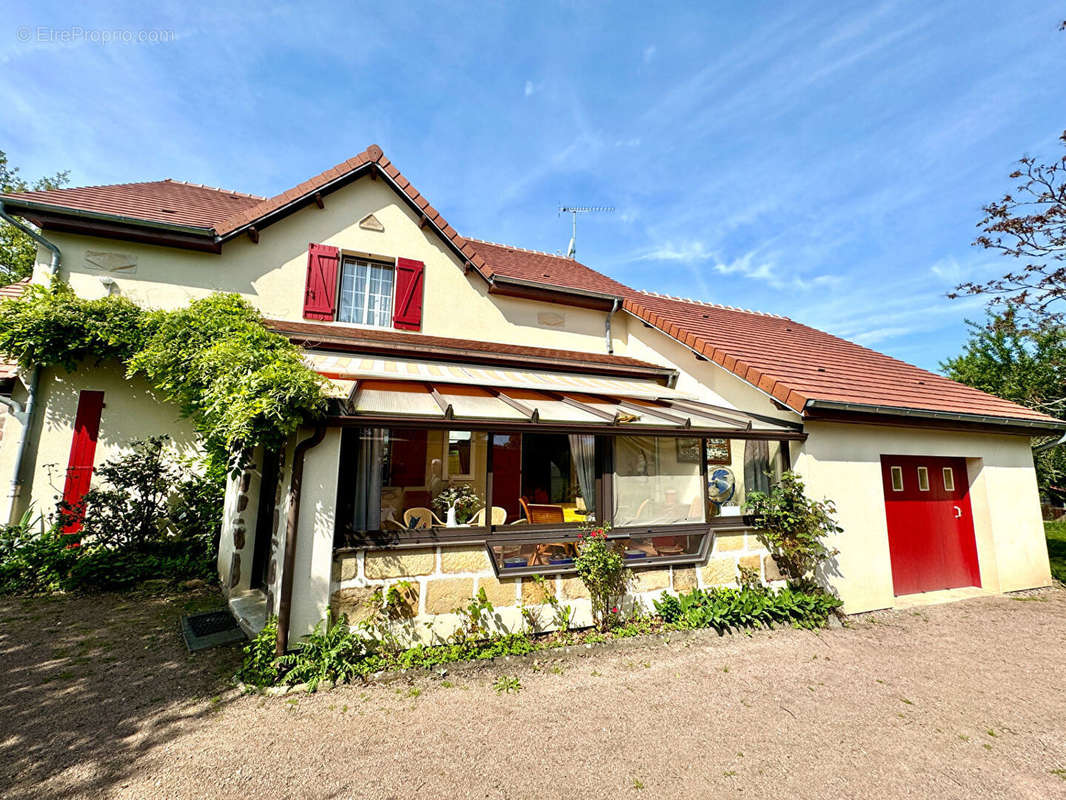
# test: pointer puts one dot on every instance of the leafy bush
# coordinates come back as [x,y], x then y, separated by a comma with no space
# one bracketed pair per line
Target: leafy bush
[260,665]
[239,383]
[601,565]
[332,652]
[728,609]
[34,562]
[791,526]
[52,326]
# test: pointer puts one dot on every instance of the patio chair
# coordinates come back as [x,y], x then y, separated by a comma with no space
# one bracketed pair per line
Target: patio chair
[421,518]
[499,517]
[540,513]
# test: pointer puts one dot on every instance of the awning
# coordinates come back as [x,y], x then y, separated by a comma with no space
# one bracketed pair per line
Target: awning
[392,391]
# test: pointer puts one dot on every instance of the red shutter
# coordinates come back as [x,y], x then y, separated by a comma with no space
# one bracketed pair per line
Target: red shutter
[320,292]
[407,310]
[82,453]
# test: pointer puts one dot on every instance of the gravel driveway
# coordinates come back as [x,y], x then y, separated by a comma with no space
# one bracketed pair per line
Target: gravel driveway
[98,699]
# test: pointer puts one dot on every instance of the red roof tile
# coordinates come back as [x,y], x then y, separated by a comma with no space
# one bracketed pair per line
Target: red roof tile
[790,361]
[795,363]
[168,201]
[545,268]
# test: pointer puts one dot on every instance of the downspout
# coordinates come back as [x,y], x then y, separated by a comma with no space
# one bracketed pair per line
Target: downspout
[607,325]
[24,412]
[292,524]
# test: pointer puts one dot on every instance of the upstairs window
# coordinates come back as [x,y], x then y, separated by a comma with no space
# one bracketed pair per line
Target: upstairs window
[366,293]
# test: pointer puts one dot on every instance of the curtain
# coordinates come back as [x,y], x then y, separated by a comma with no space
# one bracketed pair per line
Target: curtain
[756,466]
[583,451]
[368,480]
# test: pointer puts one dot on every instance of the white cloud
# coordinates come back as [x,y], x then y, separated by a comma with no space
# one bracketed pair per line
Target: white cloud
[530,88]
[649,53]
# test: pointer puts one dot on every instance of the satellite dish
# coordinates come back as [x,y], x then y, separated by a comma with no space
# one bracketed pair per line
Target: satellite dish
[721,485]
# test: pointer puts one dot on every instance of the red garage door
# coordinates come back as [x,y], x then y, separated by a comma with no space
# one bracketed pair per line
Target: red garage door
[930,527]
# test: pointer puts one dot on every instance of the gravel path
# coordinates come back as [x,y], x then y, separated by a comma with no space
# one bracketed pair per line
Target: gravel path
[98,699]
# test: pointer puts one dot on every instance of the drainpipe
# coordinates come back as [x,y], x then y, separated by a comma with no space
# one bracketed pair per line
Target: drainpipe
[292,523]
[23,412]
[607,325]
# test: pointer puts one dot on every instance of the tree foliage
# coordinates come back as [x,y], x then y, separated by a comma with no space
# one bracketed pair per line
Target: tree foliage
[1029,225]
[1026,365]
[240,384]
[52,326]
[17,250]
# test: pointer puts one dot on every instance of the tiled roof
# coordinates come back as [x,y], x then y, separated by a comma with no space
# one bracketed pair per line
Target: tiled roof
[545,268]
[379,340]
[166,201]
[9,369]
[792,362]
[795,363]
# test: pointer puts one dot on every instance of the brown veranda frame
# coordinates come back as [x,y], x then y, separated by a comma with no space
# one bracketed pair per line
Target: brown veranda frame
[490,535]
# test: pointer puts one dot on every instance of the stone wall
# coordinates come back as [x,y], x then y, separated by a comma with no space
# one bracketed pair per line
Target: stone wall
[443,578]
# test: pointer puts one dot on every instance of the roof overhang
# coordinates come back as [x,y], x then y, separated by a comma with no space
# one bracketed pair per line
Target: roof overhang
[421,349]
[373,391]
[550,293]
[839,411]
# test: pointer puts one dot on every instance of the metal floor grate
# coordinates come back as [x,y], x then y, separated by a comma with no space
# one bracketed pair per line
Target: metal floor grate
[210,629]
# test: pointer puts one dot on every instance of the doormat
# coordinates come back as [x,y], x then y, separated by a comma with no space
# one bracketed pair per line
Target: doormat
[210,629]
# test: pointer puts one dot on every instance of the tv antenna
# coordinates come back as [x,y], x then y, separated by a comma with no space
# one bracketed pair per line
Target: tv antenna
[573,211]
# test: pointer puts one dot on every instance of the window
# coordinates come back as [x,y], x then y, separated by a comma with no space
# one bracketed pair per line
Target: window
[897,479]
[656,482]
[949,479]
[923,479]
[458,455]
[366,293]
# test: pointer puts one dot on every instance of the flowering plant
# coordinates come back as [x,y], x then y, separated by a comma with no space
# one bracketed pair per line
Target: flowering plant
[463,496]
[601,565]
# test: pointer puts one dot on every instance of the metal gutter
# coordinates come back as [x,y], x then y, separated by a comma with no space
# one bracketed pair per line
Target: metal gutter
[946,416]
[607,325]
[24,412]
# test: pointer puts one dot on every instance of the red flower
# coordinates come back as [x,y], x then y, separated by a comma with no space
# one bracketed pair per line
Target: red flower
[614,610]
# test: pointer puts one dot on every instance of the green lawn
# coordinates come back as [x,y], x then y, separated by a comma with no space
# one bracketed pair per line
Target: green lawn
[1056,548]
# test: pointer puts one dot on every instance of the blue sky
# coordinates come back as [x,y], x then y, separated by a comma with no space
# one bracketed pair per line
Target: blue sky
[822,160]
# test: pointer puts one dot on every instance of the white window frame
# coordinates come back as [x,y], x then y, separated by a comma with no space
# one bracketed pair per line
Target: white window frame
[897,479]
[368,264]
[948,476]
[448,475]
[923,479]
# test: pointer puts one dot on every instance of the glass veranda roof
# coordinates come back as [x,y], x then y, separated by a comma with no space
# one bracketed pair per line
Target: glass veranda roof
[396,390]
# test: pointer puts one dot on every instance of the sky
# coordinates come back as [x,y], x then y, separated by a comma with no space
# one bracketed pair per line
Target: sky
[825,161]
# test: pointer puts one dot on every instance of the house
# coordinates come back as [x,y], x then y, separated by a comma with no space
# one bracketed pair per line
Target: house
[543,391]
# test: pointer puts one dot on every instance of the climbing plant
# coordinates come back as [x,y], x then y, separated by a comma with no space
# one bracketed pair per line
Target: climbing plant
[240,384]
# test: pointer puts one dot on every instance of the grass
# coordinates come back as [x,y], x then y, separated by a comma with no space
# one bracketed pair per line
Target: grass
[1056,548]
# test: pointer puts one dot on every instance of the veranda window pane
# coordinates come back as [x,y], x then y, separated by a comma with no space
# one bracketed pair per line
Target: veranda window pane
[657,481]
[736,470]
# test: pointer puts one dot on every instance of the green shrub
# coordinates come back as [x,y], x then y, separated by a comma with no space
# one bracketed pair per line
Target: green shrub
[726,609]
[260,665]
[34,562]
[601,565]
[332,652]
[791,526]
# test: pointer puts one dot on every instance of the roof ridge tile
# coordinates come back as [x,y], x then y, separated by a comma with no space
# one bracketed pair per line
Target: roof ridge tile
[221,189]
[712,305]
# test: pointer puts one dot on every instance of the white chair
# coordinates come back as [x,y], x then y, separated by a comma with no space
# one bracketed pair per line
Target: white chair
[499,517]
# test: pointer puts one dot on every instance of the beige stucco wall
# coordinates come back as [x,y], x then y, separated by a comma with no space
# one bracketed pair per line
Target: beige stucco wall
[843,462]
[272,273]
[130,412]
